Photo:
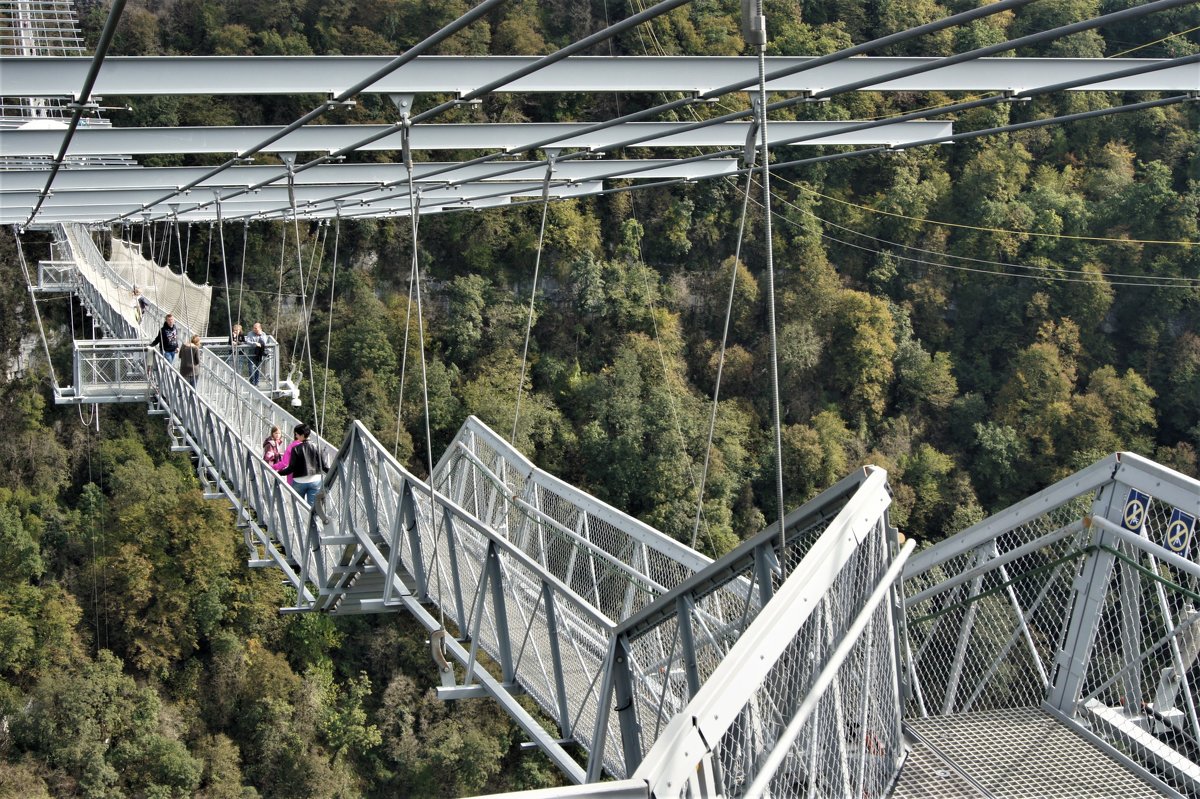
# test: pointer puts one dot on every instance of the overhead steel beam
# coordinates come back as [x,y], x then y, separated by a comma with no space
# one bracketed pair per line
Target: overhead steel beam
[115,178]
[272,195]
[498,136]
[140,76]
[96,205]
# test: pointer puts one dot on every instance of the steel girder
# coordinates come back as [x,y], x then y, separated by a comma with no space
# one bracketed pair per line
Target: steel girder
[136,76]
[242,177]
[91,205]
[434,137]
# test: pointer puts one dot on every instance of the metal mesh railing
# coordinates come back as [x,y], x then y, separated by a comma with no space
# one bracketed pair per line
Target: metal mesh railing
[1072,602]
[615,561]
[676,646]
[983,627]
[805,703]
[1138,690]
[110,371]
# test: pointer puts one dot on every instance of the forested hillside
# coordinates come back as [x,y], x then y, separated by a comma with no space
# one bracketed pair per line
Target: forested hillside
[974,318]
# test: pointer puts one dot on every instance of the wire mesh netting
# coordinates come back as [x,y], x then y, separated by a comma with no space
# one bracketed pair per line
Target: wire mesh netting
[984,627]
[714,616]
[1140,680]
[1081,601]
[851,741]
[174,293]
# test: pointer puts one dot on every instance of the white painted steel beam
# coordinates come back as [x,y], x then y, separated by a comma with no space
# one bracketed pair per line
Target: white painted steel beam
[91,206]
[240,177]
[497,136]
[278,193]
[137,76]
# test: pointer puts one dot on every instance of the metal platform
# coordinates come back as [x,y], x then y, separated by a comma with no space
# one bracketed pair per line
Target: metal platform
[1016,753]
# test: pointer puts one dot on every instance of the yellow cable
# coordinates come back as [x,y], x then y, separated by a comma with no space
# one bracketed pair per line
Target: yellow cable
[986,229]
[1156,41]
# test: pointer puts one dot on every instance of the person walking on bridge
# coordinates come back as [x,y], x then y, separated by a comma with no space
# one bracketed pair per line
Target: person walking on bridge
[304,465]
[189,361]
[168,338]
[237,348]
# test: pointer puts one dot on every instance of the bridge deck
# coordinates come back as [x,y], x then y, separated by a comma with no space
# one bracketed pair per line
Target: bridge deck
[1014,754]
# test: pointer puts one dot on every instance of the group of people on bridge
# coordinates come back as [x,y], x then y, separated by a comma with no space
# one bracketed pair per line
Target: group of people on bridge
[249,349]
[301,461]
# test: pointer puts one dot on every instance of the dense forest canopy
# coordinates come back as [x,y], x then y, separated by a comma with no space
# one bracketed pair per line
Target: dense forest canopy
[968,317]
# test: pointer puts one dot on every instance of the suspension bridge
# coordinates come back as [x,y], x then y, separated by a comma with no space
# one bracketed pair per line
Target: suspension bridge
[1049,650]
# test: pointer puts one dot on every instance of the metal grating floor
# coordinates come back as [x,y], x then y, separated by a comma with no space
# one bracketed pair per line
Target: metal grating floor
[1009,754]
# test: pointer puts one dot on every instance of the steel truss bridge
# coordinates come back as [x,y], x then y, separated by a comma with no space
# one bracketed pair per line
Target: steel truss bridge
[1048,651]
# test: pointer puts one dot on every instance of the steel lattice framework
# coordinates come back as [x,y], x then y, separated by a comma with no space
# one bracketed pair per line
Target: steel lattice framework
[818,667]
[609,625]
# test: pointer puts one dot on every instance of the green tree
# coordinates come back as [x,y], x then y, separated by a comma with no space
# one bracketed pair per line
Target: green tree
[860,353]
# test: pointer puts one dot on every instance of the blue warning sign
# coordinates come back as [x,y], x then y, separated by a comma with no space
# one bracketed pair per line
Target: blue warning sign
[1180,530]
[1137,505]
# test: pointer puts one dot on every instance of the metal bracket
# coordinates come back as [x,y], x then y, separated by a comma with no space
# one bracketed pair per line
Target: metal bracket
[437,648]
[750,149]
[403,103]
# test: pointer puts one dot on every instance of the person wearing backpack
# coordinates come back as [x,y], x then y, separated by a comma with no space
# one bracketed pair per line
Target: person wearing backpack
[304,465]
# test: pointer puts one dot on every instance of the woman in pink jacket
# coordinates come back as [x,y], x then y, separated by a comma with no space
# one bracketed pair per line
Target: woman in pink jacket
[282,463]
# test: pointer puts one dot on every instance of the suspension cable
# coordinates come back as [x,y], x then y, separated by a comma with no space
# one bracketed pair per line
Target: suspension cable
[242,276]
[279,294]
[304,305]
[207,257]
[36,311]
[712,419]
[537,262]
[412,272]
[770,253]
[413,214]
[225,271]
[337,235]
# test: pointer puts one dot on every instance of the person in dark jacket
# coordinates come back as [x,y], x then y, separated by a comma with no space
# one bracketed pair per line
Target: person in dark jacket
[256,351]
[168,338]
[304,465]
[189,361]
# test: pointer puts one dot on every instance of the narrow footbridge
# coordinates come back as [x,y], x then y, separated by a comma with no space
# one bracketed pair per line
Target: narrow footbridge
[1050,650]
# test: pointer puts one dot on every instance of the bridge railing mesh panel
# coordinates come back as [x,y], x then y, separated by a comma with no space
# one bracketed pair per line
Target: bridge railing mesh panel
[1140,683]
[173,293]
[695,627]
[982,637]
[1082,600]
[805,703]
[615,561]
